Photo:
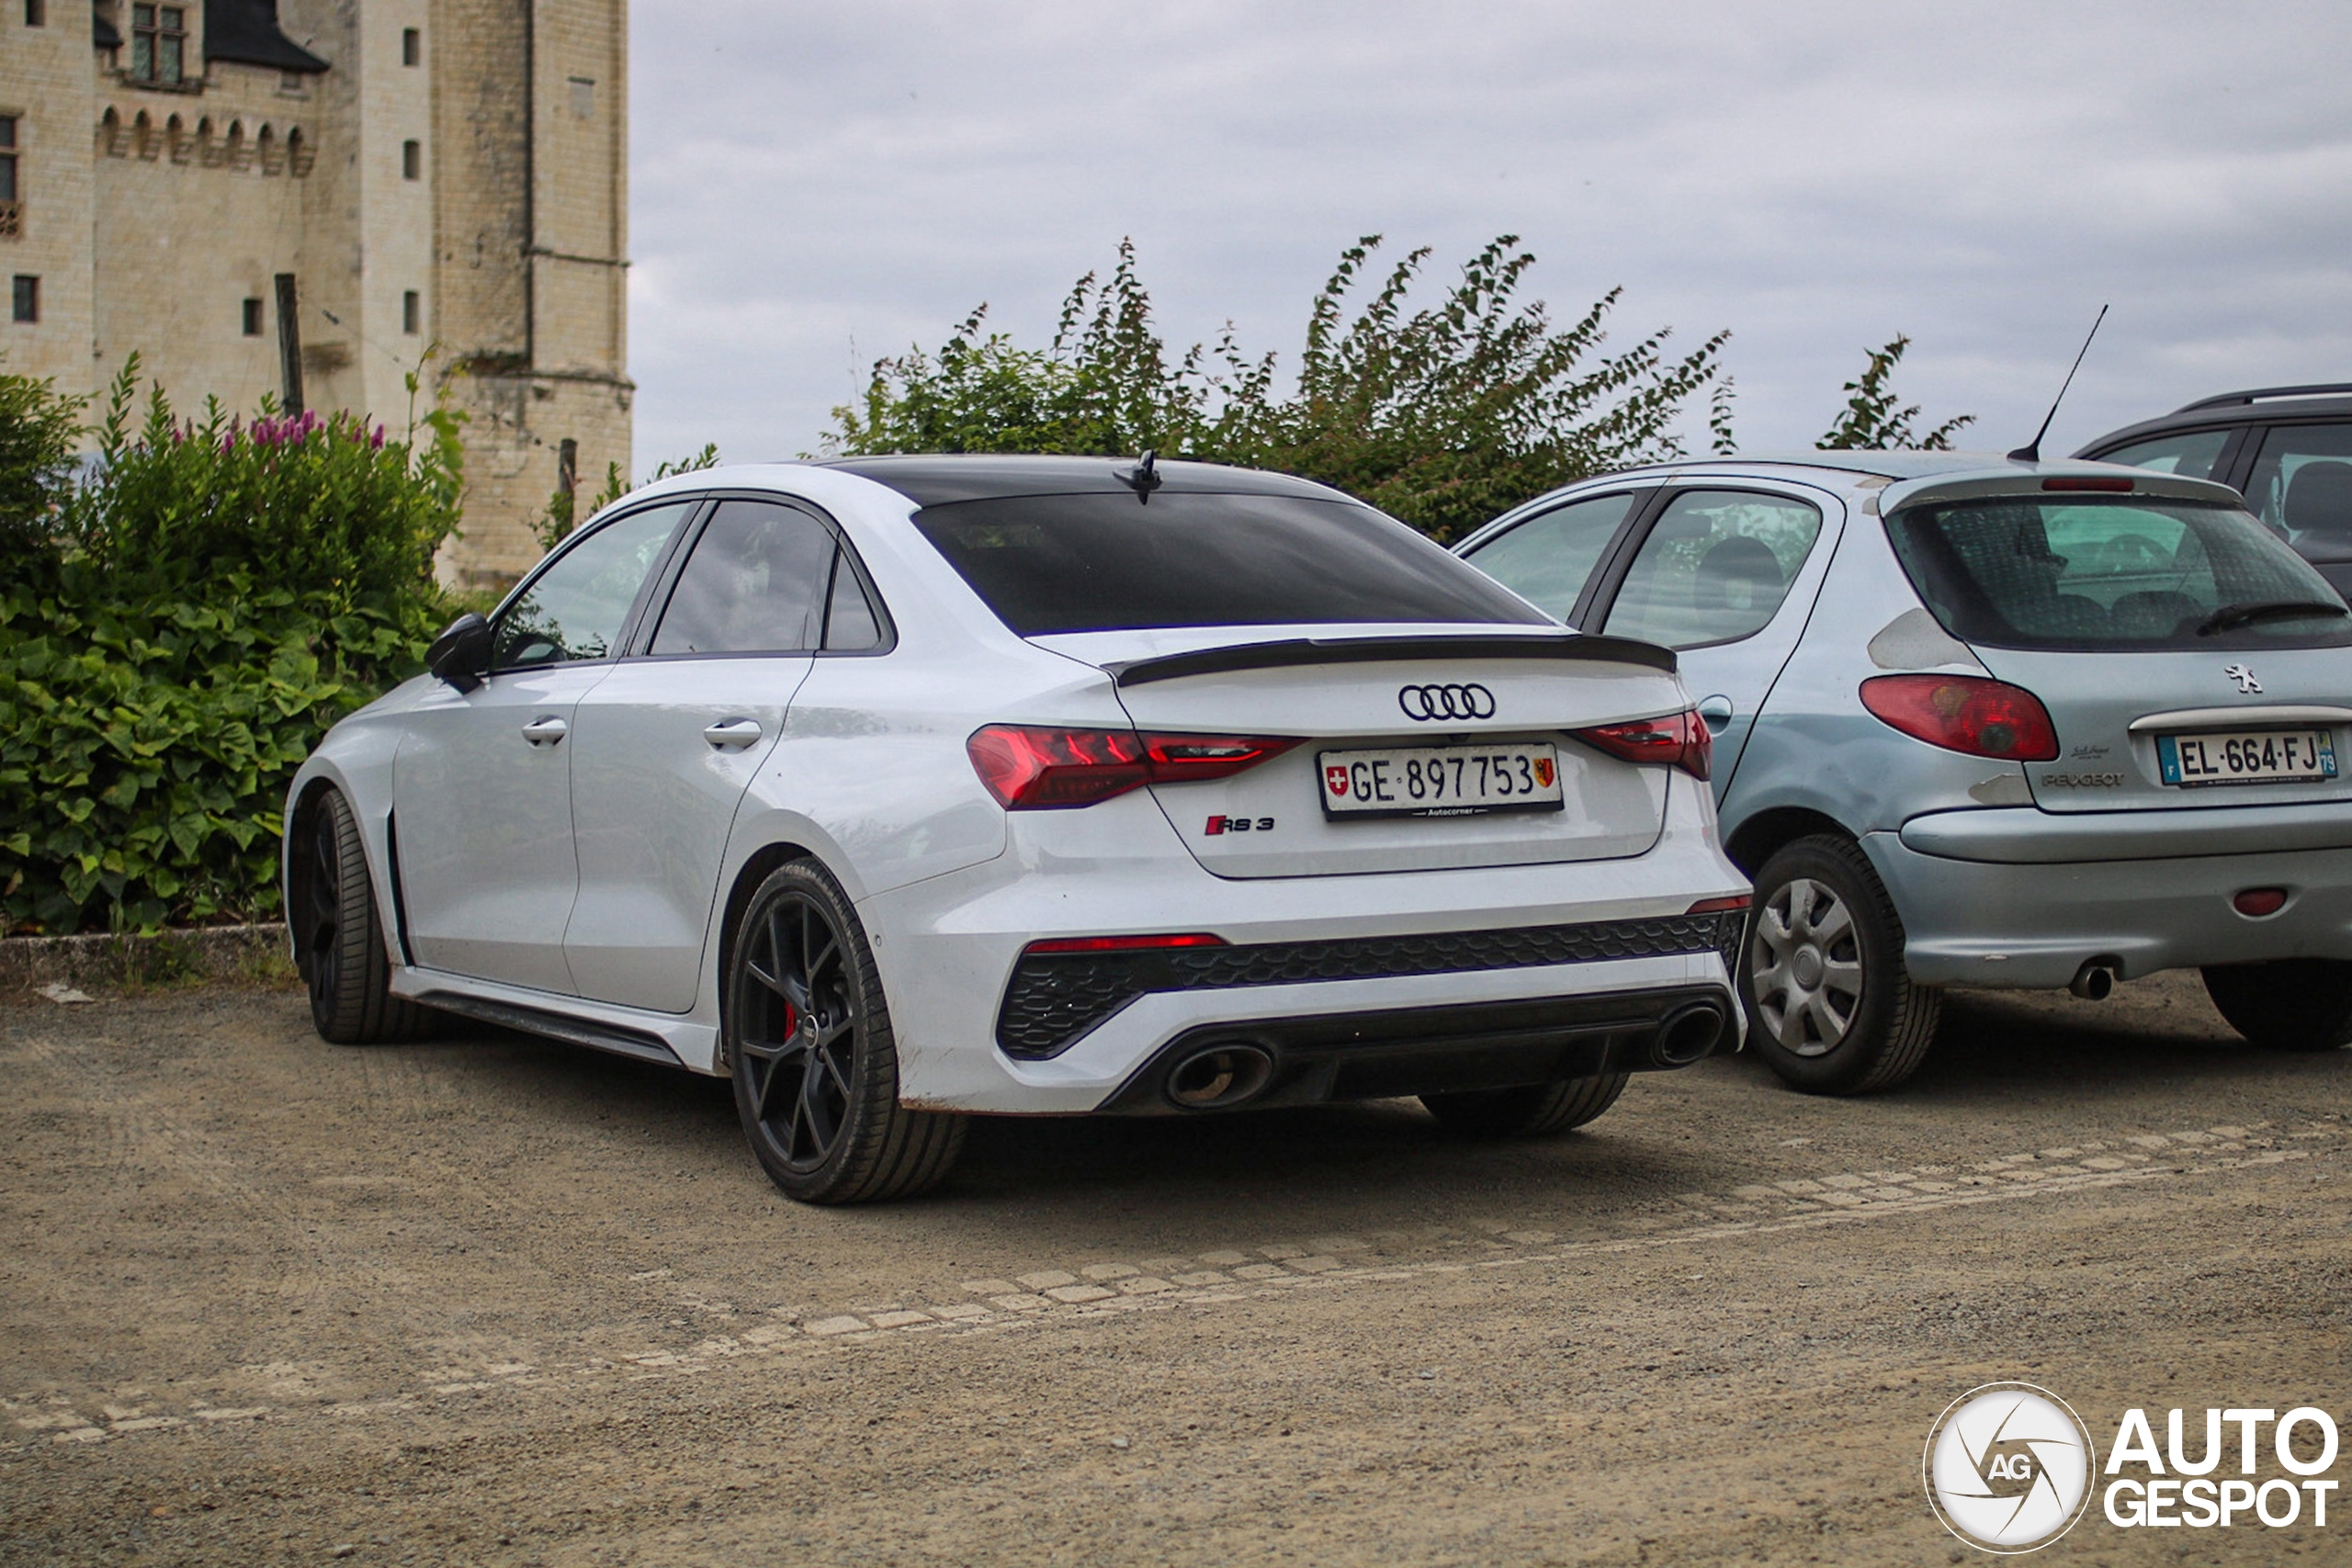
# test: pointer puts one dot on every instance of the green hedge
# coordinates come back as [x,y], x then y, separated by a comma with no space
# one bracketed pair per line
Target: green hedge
[178,630]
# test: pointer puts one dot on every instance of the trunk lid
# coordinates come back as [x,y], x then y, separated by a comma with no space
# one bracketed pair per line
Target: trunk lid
[1353,688]
[2111,710]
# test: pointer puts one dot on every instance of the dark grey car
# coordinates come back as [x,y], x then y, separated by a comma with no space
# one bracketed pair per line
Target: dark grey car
[2287,449]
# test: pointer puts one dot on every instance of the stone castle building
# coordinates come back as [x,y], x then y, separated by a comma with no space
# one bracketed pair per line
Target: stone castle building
[300,197]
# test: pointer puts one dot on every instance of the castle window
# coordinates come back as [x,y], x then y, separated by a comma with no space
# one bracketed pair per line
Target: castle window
[28,298]
[36,13]
[412,47]
[412,160]
[8,193]
[412,313]
[253,318]
[583,96]
[158,42]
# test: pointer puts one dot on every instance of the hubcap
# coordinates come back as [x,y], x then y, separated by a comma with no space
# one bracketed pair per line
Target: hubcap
[797,1029]
[1805,967]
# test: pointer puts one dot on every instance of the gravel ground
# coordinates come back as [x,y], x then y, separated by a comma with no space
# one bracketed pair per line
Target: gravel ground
[491,1299]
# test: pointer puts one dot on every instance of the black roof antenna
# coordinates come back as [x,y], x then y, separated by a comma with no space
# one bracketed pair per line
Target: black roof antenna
[1144,478]
[2031,451]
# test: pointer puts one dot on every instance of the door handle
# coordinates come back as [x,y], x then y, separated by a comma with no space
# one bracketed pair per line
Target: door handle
[545,731]
[733,732]
[1716,712]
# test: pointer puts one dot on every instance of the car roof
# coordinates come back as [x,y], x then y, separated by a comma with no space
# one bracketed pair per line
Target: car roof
[2318,400]
[937,479]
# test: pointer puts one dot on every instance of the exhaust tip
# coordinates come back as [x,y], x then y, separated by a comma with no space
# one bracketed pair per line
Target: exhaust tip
[2095,981]
[1688,1034]
[1217,1076]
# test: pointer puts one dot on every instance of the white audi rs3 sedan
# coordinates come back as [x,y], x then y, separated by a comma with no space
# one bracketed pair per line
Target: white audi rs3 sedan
[905,789]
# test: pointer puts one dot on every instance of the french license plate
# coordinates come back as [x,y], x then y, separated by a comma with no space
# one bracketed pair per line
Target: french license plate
[1441,781]
[2252,756]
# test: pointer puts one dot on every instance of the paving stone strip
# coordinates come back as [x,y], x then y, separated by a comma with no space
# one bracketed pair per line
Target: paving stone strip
[1105,1288]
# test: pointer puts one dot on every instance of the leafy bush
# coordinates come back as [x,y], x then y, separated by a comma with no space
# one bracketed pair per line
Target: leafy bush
[1875,420]
[178,637]
[1443,416]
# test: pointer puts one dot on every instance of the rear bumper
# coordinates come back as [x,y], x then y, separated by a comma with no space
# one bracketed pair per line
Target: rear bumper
[1409,1051]
[2034,922]
[2027,836]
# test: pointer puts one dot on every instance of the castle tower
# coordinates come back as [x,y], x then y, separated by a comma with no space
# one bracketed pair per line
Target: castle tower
[300,197]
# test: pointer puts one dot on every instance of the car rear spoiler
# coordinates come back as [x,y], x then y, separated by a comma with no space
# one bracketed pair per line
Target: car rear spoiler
[1371,649]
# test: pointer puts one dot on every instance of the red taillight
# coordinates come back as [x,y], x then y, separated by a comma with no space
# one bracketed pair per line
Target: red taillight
[1965,712]
[1681,740]
[1033,768]
[2118,486]
[1121,943]
[1721,906]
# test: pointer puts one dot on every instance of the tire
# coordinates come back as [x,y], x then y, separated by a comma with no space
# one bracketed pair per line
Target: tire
[816,1066]
[1830,1006]
[340,942]
[2287,1004]
[1531,1112]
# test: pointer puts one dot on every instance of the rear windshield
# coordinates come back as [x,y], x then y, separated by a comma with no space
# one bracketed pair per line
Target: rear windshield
[2126,574]
[1090,563]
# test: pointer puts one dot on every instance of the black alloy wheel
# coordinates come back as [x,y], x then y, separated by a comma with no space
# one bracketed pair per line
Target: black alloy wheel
[2286,1004]
[1535,1111]
[340,942]
[815,1063]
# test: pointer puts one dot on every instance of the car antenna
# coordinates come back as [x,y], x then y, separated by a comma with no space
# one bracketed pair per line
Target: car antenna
[2031,451]
[1145,477]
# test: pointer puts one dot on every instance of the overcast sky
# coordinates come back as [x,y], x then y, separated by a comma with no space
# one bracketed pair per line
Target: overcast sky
[816,187]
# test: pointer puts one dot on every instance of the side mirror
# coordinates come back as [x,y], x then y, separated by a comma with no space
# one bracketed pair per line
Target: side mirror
[461,655]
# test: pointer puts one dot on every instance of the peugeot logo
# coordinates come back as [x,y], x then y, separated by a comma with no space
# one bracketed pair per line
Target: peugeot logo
[2247,684]
[1423,704]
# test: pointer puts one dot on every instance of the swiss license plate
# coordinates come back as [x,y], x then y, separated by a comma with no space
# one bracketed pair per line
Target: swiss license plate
[2250,756]
[1441,781]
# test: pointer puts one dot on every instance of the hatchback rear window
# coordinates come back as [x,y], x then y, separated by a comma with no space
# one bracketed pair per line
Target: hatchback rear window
[1106,562]
[2128,575]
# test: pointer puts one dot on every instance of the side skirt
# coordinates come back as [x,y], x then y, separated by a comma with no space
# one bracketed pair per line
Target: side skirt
[669,1040]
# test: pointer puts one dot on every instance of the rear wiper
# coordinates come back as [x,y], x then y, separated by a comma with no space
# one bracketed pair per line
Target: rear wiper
[2230,616]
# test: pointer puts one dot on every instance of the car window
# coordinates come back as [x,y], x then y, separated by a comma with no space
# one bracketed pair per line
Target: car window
[1715,568]
[850,625]
[2121,575]
[2190,452]
[2302,486]
[755,584]
[1548,559]
[575,608]
[1112,562]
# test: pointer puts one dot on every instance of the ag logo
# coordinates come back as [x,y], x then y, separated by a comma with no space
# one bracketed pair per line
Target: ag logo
[2008,1467]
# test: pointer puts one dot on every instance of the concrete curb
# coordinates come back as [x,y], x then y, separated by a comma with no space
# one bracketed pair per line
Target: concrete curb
[206,952]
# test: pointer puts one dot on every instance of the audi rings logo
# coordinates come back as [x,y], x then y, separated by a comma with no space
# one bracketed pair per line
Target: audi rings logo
[2008,1467]
[1423,704]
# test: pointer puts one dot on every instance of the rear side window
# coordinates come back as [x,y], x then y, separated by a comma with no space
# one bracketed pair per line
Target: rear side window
[1715,568]
[1080,563]
[2126,575]
[1548,559]
[2301,485]
[755,583]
